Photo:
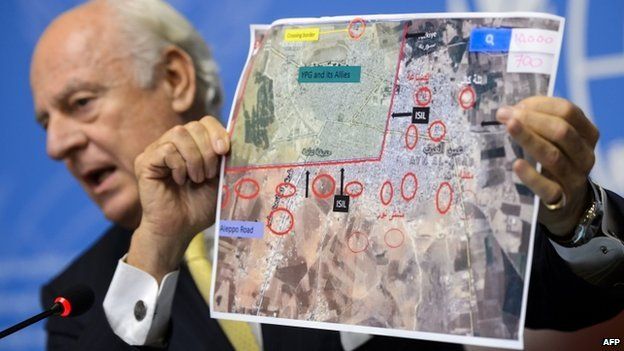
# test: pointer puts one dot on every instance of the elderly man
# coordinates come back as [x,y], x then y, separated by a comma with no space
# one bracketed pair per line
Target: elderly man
[121,87]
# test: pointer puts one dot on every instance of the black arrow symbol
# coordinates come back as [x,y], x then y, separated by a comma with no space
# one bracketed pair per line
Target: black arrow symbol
[490,123]
[341,180]
[416,35]
[402,114]
[307,181]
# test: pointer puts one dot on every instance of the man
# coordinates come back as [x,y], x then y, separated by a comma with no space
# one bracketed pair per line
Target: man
[121,88]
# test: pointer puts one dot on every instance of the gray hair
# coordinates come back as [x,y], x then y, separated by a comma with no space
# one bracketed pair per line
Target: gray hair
[151,26]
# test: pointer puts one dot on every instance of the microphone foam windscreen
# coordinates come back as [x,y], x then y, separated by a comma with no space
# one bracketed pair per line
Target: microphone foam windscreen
[80,297]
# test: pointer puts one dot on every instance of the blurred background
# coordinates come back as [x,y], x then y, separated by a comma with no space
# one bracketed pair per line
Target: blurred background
[46,220]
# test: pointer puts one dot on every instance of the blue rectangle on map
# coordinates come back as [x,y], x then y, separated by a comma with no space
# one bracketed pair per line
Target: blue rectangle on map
[490,40]
[241,229]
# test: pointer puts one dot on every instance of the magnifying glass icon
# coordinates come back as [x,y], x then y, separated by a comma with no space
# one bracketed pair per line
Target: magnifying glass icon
[489,39]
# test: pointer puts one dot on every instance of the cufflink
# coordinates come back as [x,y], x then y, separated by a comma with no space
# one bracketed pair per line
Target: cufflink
[140,310]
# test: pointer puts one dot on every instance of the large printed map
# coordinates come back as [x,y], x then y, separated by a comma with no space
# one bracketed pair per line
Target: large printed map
[369,187]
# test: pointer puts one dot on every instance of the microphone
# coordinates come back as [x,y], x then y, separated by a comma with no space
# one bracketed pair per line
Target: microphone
[73,302]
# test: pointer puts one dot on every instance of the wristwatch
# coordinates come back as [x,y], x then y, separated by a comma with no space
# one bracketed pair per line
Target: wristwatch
[589,225]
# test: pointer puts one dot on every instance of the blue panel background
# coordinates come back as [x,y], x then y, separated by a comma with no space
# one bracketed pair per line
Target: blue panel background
[46,219]
[604,21]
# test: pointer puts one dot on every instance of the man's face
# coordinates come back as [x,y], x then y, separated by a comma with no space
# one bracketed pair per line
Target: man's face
[97,118]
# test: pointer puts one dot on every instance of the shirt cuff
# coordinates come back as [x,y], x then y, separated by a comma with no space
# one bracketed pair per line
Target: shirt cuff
[600,261]
[137,309]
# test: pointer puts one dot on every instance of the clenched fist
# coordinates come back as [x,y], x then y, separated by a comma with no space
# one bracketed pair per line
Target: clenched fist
[178,187]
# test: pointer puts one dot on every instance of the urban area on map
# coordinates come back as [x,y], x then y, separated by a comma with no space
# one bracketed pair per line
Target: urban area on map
[369,187]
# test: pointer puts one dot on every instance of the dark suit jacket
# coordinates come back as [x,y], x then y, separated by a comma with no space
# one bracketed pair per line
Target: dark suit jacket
[558,299]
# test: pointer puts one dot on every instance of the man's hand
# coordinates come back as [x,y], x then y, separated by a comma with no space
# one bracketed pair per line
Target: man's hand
[178,190]
[557,134]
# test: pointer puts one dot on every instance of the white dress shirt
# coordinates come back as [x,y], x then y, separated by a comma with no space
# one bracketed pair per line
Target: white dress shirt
[594,261]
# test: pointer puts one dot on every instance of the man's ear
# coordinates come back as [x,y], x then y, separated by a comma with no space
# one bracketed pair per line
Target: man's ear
[179,78]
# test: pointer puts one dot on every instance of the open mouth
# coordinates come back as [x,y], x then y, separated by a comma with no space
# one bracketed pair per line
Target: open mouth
[98,176]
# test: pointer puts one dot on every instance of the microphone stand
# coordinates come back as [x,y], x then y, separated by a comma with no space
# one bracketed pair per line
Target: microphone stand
[55,309]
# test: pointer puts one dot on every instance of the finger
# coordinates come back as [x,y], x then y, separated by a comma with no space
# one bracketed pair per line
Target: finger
[202,140]
[559,132]
[564,109]
[220,142]
[162,161]
[175,162]
[544,152]
[218,135]
[186,146]
[546,189]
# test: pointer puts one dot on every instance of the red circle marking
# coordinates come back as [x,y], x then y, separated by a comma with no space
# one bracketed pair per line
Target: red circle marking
[394,230]
[331,190]
[381,193]
[225,196]
[349,185]
[413,194]
[422,97]
[239,185]
[439,138]
[472,97]
[270,221]
[284,186]
[448,206]
[356,235]
[414,132]
[353,22]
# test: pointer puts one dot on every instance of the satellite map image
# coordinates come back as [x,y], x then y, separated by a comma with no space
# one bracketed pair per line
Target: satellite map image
[369,187]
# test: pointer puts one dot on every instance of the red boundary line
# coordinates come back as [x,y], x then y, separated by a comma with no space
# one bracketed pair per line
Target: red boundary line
[396,77]
[336,162]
